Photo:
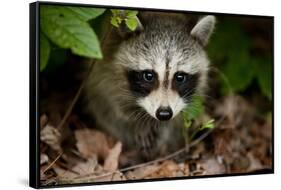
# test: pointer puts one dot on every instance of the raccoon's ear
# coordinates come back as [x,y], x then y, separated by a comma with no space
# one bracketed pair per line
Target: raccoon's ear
[203,29]
[125,32]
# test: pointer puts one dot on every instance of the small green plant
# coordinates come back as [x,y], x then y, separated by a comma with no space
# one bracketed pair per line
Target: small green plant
[207,125]
[128,16]
[193,111]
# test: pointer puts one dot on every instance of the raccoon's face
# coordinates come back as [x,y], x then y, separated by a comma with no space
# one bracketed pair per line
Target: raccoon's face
[166,65]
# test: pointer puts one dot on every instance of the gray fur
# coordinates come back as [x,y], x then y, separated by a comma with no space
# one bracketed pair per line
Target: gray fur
[164,44]
[203,29]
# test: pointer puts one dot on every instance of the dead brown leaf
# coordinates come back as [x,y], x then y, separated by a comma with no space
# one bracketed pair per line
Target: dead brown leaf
[222,141]
[112,160]
[167,169]
[91,142]
[81,169]
[44,159]
[255,163]
[143,172]
[213,166]
[52,137]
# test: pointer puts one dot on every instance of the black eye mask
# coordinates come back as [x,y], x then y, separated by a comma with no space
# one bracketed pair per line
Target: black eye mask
[185,84]
[141,83]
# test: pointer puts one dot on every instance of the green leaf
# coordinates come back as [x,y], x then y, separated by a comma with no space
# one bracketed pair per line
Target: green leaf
[115,12]
[131,14]
[208,125]
[225,38]
[86,14]
[238,71]
[129,17]
[235,61]
[187,123]
[114,21]
[45,50]
[69,32]
[82,13]
[194,109]
[131,23]
[263,70]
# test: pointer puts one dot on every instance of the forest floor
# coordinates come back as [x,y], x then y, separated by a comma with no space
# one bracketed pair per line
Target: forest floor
[241,142]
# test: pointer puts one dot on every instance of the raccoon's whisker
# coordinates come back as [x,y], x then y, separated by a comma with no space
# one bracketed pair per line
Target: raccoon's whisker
[143,116]
[125,101]
[189,94]
[144,121]
[140,125]
[205,95]
[125,91]
[134,114]
[140,116]
[125,107]
[137,114]
[125,94]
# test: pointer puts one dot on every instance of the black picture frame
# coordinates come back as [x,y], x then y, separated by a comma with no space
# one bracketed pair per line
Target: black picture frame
[34,121]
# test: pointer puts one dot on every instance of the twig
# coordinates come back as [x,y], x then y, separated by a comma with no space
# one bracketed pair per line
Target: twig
[52,163]
[75,99]
[70,108]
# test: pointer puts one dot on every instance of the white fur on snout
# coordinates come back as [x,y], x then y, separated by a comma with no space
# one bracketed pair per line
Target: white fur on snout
[176,103]
[159,98]
[151,102]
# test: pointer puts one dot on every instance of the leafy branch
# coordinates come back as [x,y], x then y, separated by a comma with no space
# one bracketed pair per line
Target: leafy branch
[191,112]
[129,17]
[68,27]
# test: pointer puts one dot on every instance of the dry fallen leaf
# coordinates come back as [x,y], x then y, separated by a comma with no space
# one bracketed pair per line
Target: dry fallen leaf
[81,169]
[141,173]
[212,166]
[167,169]
[255,164]
[233,108]
[222,141]
[91,142]
[44,159]
[88,167]
[112,160]
[52,137]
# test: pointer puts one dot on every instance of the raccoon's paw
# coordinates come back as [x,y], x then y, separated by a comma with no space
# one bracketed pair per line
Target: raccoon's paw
[51,136]
[147,141]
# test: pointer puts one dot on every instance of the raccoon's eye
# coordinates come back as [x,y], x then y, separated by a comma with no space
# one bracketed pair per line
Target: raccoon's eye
[148,76]
[180,77]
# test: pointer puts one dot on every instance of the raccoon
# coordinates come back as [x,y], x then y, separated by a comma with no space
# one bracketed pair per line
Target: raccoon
[139,90]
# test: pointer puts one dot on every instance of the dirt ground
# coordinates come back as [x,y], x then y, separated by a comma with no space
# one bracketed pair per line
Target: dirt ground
[241,142]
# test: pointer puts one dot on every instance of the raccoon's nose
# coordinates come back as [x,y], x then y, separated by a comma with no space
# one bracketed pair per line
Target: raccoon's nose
[164,113]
